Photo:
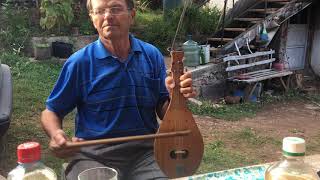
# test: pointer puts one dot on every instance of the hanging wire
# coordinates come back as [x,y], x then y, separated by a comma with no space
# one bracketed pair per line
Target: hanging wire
[186,4]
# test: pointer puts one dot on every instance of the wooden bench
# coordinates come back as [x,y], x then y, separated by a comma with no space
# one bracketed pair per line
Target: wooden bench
[253,68]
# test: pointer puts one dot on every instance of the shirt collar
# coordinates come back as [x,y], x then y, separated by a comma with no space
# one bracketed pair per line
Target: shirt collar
[135,45]
[101,52]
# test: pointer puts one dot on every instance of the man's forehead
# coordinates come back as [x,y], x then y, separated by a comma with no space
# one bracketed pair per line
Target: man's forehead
[99,3]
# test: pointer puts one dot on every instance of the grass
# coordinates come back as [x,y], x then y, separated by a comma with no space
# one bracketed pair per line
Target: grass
[226,112]
[252,138]
[236,112]
[218,157]
[33,82]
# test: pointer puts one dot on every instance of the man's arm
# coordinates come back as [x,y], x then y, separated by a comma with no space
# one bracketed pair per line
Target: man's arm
[52,125]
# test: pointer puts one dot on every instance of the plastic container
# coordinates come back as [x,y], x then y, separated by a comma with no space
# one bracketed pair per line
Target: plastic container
[292,166]
[191,51]
[62,49]
[204,54]
[30,166]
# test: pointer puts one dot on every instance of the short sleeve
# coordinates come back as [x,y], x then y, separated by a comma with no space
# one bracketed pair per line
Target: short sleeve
[64,96]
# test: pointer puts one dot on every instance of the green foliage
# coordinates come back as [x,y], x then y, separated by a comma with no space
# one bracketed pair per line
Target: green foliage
[160,31]
[291,95]
[56,13]
[144,18]
[14,29]
[197,20]
[85,24]
[226,112]
[154,4]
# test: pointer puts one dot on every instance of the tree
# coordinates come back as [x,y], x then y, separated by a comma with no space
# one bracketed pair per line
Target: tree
[55,13]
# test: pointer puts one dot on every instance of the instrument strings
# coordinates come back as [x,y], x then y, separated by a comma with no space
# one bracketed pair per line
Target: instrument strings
[186,4]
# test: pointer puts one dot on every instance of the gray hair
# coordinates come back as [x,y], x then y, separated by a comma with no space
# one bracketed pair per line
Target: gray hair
[130,4]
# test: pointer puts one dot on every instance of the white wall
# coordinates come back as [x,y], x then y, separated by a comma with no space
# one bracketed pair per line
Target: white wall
[315,53]
[220,3]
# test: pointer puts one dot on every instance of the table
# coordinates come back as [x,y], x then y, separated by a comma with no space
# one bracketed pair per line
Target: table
[313,160]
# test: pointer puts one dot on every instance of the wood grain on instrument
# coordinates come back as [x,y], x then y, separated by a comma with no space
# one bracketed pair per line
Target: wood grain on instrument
[178,156]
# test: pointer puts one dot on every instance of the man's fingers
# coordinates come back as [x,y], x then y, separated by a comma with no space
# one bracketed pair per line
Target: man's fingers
[170,82]
[186,83]
[186,75]
[186,90]
[76,139]
[53,146]
[60,138]
[190,95]
[62,152]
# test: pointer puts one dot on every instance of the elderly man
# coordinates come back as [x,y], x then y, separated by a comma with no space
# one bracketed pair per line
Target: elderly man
[118,85]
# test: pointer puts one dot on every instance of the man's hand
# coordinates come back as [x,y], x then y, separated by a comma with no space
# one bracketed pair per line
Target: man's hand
[58,142]
[185,85]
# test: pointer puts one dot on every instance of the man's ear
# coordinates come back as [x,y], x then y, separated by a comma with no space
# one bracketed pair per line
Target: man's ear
[133,15]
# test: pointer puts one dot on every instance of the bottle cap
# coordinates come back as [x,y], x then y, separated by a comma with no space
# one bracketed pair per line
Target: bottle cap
[28,152]
[293,146]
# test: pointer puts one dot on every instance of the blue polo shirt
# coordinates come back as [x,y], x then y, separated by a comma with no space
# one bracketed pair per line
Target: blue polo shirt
[112,98]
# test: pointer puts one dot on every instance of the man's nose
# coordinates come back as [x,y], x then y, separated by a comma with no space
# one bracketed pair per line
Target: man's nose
[107,13]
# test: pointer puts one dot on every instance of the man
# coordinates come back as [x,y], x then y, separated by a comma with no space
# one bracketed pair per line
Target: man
[118,84]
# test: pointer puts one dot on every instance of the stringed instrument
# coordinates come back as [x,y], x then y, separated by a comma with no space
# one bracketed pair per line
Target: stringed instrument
[180,155]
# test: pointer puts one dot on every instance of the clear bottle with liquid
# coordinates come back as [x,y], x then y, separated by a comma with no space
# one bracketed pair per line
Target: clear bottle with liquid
[292,165]
[191,51]
[30,166]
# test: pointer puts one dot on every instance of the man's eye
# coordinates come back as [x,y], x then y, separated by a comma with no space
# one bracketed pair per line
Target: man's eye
[116,10]
[99,12]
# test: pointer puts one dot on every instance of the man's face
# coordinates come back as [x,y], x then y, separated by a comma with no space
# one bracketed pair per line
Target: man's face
[111,18]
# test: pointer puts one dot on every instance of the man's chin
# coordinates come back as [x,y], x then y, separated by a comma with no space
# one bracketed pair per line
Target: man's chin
[106,35]
[111,36]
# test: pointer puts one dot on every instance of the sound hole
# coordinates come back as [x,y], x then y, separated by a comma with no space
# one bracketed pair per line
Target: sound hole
[181,154]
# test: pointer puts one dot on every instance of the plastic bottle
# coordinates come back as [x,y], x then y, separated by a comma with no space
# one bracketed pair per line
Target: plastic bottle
[191,51]
[30,166]
[292,166]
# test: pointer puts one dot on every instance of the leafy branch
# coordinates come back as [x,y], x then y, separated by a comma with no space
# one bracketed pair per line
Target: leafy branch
[55,13]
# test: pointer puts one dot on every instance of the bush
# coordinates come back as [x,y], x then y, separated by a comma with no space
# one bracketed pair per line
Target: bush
[160,31]
[56,13]
[85,25]
[14,29]
[154,4]
[197,21]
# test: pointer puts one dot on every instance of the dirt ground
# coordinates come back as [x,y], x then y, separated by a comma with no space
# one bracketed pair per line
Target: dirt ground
[298,118]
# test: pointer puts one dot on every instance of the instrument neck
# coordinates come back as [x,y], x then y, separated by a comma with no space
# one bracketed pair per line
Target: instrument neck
[177,70]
